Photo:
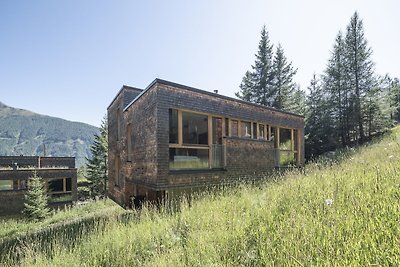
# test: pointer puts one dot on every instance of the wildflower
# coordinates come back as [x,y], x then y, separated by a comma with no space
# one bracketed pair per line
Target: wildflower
[329,201]
[391,156]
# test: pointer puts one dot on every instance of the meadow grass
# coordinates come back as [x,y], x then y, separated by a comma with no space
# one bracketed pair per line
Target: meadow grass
[342,212]
[15,225]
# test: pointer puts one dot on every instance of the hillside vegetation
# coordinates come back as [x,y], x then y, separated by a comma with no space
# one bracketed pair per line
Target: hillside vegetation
[342,212]
[24,132]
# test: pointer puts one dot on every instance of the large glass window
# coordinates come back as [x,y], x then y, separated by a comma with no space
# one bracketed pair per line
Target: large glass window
[195,128]
[245,128]
[188,158]
[6,185]
[173,126]
[56,185]
[287,146]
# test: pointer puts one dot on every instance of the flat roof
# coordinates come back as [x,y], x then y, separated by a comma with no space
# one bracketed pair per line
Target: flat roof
[185,87]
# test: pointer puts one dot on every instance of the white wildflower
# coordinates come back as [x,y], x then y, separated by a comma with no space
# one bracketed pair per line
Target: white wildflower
[391,156]
[329,201]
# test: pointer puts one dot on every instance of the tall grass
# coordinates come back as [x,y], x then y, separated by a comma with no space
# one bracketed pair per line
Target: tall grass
[340,212]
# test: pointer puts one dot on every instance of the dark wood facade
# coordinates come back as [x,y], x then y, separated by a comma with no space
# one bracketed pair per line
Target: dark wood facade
[169,137]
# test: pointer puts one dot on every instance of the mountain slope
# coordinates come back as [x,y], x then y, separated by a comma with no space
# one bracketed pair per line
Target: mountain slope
[28,133]
[335,212]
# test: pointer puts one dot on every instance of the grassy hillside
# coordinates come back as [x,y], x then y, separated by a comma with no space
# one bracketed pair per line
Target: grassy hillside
[25,132]
[341,212]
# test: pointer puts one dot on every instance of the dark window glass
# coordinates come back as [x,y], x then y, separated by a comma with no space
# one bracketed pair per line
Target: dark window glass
[234,128]
[173,126]
[195,128]
[69,184]
[254,130]
[296,145]
[56,185]
[245,129]
[261,130]
[188,158]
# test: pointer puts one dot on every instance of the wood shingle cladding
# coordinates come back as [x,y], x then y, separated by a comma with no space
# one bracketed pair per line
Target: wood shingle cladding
[182,137]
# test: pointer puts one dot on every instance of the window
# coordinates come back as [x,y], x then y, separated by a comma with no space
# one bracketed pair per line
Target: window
[245,129]
[272,137]
[68,184]
[287,146]
[129,142]
[173,126]
[261,131]
[194,128]
[56,185]
[254,130]
[195,140]
[188,158]
[234,128]
[6,185]
[227,127]
[285,139]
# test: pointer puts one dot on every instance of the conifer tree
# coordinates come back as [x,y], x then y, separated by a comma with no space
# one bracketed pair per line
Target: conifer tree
[246,88]
[257,85]
[97,166]
[319,127]
[36,199]
[297,102]
[360,71]
[283,88]
[336,86]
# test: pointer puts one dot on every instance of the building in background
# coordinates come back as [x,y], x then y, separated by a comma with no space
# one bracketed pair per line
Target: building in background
[169,138]
[59,173]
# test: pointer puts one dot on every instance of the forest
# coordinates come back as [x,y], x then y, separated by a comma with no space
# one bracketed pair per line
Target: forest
[344,106]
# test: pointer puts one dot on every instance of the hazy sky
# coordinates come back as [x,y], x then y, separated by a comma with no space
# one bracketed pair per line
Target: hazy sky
[69,58]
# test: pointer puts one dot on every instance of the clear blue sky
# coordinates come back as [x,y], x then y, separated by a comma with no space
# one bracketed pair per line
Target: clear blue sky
[69,58]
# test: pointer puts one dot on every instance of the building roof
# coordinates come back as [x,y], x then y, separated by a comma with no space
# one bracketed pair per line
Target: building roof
[123,88]
[185,87]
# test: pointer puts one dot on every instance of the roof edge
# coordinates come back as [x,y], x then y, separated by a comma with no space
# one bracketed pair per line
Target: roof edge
[160,81]
[120,90]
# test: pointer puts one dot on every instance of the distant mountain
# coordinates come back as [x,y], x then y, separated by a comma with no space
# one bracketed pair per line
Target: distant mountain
[27,133]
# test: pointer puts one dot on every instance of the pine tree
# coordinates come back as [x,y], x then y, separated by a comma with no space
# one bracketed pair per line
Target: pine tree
[395,98]
[284,88]
[360,72]
[336,86]
[36,199]
[257,86]
[319,127]
[246,88]
[298,102]
[97,165]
